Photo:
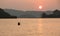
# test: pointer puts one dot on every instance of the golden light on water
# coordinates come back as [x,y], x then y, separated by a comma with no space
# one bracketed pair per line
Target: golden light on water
[30,27]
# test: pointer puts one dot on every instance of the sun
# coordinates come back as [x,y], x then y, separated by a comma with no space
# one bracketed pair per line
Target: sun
[40,7]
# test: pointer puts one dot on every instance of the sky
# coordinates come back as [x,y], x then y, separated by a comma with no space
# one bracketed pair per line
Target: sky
[30,4]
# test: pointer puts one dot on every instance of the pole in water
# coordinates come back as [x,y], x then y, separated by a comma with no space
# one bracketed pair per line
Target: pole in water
[18,23]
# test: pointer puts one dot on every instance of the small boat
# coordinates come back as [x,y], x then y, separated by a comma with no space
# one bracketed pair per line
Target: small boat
[18,23]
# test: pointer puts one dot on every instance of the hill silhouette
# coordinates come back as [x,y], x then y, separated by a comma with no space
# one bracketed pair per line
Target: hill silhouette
[56,14]
[33,14]
[27,16]
[24,14]
[3,14]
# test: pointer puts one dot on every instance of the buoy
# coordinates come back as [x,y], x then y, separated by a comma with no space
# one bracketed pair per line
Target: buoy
[18,23]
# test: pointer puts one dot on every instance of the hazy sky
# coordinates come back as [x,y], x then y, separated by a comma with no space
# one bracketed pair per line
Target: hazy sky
[30,4]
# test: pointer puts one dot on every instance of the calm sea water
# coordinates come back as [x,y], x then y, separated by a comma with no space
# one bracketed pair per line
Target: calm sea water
[30,27]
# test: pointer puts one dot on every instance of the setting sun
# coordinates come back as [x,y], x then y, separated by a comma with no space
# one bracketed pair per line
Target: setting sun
[40,7]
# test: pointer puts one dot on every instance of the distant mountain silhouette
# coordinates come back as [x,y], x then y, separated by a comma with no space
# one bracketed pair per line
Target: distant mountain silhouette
[25,14]
[56,14]
[3,14]
[33,14]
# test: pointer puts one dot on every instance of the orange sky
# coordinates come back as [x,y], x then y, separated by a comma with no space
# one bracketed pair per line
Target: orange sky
[30,4]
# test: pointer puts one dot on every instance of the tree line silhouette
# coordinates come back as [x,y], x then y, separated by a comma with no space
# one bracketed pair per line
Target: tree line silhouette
[56,14]
[3,14]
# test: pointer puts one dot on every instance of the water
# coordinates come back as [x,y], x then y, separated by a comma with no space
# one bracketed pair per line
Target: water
[30,27]
[51,27]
